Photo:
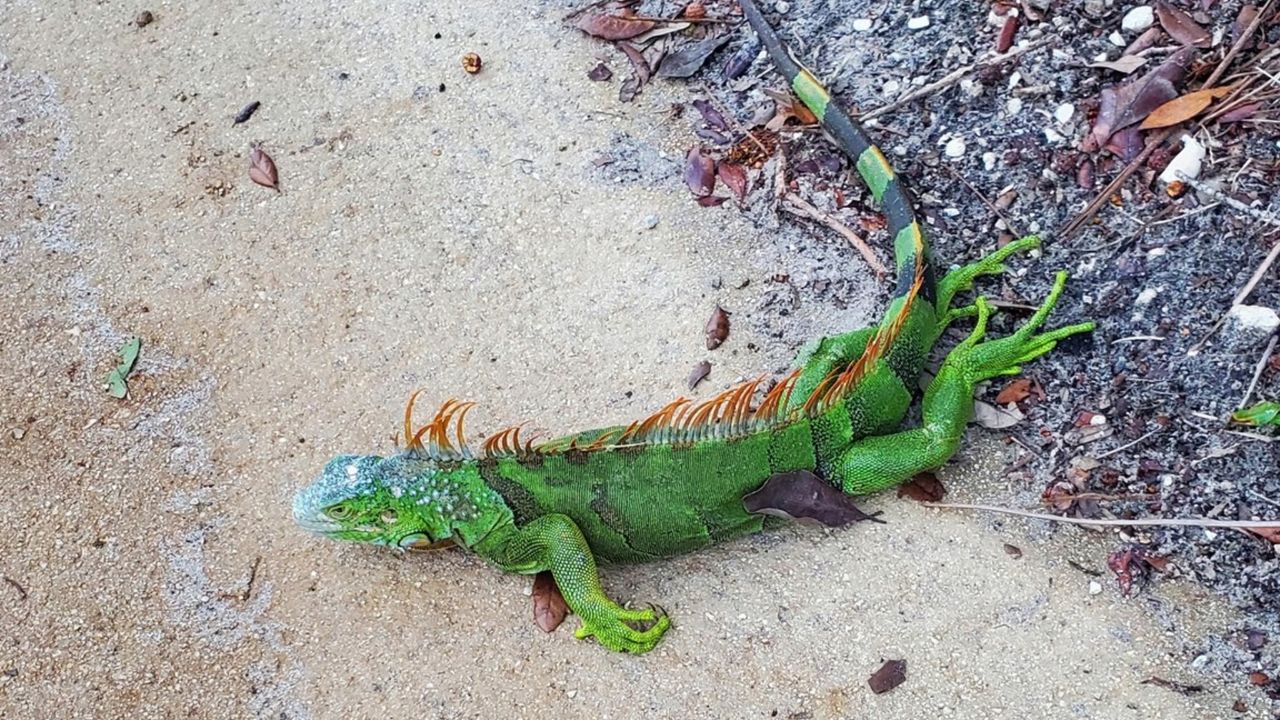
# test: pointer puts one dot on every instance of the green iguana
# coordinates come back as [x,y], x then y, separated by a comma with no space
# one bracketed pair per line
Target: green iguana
[675,481]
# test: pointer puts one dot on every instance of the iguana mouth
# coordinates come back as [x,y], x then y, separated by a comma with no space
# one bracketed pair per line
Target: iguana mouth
[421,542]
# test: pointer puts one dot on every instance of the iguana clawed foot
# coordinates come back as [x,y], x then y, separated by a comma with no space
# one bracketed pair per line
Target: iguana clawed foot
[980,360]
[612,628]
[962,278]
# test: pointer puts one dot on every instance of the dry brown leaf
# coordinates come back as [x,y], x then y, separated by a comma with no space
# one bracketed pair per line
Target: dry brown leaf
[699,373]
[1182,109]
[1013,551]
[699,172]
[924,487]
[1016,391]
[735,176]
[995,418]
[1180,25]
[717,328]
[549,607]
[621,26]
[1124,64]
[890,675]
[1270,534]
[262,169]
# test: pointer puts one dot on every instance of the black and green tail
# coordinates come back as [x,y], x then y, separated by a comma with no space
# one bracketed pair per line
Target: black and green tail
[910,245]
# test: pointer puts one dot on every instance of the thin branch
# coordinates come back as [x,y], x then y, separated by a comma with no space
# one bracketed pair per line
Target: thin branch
[956,76]
[990,205]
[800,207]
[1257,372]
[1115,522]
[1126,446]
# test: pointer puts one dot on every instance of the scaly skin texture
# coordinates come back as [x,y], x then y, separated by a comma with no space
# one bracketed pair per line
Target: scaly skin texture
[675,482]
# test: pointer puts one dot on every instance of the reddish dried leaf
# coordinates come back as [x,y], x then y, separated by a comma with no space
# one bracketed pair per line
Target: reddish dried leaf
[1180,25]
[924,487]
[805,498]
[699,172]
[1004,40]
[699,373]
[735,177]
[1013,551]
[711,200]
[600,73]
[1126,105]
[1181,109]
[1016,391]
[1270,534]
[549,607]
[1259,678]
[717,328]
[262,169]
[690,59]
[710,115]
[1244,112]
[890,675]
[614,27]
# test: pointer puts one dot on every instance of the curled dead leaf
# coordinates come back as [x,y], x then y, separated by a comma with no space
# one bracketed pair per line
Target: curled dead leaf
[924,487]
[1183,108]
[699,172]
[699,373]
[717,328]
[735,177]
[621,26]
[549,607]
[262,169]
[890,675]
[805,498]
[1181,27]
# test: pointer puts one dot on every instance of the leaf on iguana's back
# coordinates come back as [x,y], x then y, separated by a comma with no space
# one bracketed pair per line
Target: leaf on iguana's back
[805,498]
[683,63]
[117,383]
[924,487]
[549,607]
[890,675]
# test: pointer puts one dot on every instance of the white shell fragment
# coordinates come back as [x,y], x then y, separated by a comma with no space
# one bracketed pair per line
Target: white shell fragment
[955,147]
[1186,164]
[1138,19]
[862,24]
[918,23]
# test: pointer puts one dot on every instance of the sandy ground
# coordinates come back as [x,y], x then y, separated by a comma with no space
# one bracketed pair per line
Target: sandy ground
[462,240]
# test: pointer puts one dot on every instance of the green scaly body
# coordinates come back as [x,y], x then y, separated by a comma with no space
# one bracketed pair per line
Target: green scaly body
[674,483]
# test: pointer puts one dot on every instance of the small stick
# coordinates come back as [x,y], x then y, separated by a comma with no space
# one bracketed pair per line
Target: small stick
[990,205]
[1113,451]
[956,76]
[1257,372]
[672,21]
[1140,522]
[802,208]
[22,592]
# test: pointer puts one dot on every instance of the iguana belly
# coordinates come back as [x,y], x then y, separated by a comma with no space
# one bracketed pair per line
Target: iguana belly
[646,502]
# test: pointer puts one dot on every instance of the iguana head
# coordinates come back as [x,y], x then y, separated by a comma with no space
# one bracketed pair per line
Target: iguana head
[403,501]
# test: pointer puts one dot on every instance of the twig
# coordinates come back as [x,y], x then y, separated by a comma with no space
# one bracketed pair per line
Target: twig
[1085,215]
[990,205]
[1261,216]
[1115,522]
[1126,497]
[1257,372]
[22,592]
[1132,338]
[802,208]
[672,21]
[1126,446]
[955,76]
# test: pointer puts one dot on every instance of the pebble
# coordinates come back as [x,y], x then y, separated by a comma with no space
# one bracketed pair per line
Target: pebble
[1249,325]
[1138,19]
[1053,136]
[892,87]
[1117,39]
[1146,296]
[918,23]
[989,160]
[650,222]
[955,147]
[862,24]
[1095,587]
[782,6]
[1064,112]
[1013,106]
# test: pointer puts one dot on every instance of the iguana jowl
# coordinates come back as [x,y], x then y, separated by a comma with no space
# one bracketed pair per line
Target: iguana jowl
[675,481]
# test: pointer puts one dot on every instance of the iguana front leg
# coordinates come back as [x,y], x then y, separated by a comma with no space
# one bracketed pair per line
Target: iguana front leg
[881,462]
[554,542]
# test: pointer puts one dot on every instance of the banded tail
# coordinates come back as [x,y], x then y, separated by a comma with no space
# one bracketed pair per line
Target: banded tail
[912,258]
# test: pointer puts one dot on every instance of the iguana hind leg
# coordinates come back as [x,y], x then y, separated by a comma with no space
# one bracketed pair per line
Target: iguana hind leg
[962,278]
[554,542]
[880,462]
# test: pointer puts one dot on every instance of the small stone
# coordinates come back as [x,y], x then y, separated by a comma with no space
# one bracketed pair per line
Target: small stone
[1146,296]
[918,23]
[144,18]
[1115,38]
[954,148]
[892,87]
[1064,112]
[18,433]
[1248,326]
[1138,19]
[1095,587]
[989,160]
[862,24]
[650,222]
[1053,136]
[1013,106]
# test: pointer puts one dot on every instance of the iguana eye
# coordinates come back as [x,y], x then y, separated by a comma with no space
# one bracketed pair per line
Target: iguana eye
[338,512]
[388,517]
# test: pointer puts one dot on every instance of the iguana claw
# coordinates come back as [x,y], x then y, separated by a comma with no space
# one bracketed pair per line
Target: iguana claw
[611,629]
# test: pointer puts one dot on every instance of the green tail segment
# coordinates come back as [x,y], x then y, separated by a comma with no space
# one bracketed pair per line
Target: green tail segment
[674,482]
